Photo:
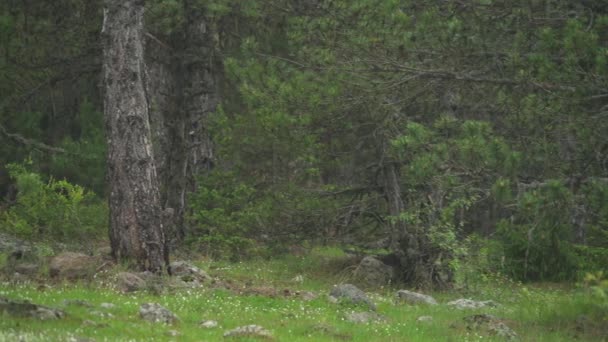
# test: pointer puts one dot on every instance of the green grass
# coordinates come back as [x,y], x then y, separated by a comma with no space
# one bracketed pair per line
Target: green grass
[540,313]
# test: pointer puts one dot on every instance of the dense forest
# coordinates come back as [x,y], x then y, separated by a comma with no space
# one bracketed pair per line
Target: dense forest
[452,140]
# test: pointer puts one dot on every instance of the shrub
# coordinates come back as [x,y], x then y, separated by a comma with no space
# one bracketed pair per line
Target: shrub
[224,216]
[537,240]
[55,210]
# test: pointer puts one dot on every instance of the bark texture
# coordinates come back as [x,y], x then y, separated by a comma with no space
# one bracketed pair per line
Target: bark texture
[184,83]
[136,230]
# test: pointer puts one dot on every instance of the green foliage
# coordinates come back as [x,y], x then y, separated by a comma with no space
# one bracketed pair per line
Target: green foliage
[165,16]
[84,164]
[225,216]
[480,264]
[470,108]
[52,211]
[232,220]
[536,239]
[597,286]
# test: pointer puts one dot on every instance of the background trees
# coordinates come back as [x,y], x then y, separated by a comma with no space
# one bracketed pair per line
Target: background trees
[419,127]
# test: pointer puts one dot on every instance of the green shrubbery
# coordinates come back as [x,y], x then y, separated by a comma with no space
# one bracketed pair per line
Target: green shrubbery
[537,239]
[232,219]
[52,210]
[226,216]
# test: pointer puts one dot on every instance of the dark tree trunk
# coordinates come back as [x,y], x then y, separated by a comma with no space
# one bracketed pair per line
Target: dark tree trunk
[392,191]
[185,77]
[417,258]
[136,230]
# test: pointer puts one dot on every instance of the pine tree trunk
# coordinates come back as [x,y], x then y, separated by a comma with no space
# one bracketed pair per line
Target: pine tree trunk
[184,84]
[136,230]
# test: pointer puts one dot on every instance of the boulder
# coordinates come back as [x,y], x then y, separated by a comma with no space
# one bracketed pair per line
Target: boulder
[173,333]
[253,331]
[154,283]
[26,268]
[10,244]
[352,294]
[72,265]
[364,317]
[26,309]
[22,258]
[415,298]
[77,302]
[490,325]
[129,282]
[374,272]
[464,303]
[156,313]
[188,272]
[209,324]
[107,306]
[307,295]
[423,319]
[298,279]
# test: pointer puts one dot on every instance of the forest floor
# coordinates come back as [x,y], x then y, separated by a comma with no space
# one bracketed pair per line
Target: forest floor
[266,293]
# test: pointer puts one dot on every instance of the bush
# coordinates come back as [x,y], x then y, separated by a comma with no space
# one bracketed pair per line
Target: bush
[597,286]
[537,240]
[480,263]
[224,216]
[52,210]
[231,219]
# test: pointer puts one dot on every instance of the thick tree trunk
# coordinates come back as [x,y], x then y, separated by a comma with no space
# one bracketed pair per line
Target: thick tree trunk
[184,79]
[392,191]
[416,258]
[136,230]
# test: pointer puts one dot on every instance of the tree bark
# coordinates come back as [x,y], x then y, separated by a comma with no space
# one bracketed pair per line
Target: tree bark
[136,230]
[392,191]
[184,84]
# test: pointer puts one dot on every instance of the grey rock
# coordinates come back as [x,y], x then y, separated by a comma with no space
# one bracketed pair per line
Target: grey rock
[374,272]
[173,333]
[209,324]
[107,306]
[424,319]
[464,303]
[72,265]
[26,268]
[351,293]
[415,298]
[77,302]
[18,278]
[80,339]
[188,272]
[104,252]
[156,313]
[364,317]
[378,244]
[10,244]
[129,282]
[490,324]
[26,309]
[154,283]
[307,295]
[298,279]
[179,283]
[249,331]
[101,314]
[22,257]
[90,323]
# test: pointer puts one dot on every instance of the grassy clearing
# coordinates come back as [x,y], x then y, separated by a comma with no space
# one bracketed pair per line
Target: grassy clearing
[541,313]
